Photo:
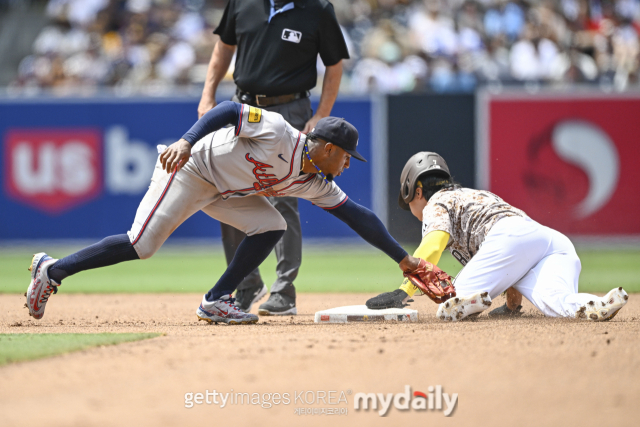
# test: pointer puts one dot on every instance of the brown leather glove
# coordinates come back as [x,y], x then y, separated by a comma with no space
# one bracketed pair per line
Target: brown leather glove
[433,282]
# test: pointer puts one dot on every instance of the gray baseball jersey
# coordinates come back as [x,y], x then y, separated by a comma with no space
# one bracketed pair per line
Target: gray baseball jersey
[467,215]
[261,156]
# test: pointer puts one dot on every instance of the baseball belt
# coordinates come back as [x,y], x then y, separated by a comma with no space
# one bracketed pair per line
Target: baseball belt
[267,101]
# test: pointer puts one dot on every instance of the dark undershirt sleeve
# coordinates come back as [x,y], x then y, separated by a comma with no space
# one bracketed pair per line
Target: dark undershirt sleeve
[227,27]
[225,113]
[331,45]
[370,228]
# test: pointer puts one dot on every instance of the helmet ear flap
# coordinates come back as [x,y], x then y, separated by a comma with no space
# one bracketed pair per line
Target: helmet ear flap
[405,189]
[405,197]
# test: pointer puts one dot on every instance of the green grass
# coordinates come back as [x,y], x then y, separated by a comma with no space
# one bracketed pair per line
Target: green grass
[350,269]
[21,347]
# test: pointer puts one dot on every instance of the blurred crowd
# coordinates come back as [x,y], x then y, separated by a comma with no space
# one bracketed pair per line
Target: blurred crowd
[134,46]
[156,46]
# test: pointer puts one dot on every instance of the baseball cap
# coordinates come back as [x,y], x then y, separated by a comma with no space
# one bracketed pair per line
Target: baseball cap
[339,132]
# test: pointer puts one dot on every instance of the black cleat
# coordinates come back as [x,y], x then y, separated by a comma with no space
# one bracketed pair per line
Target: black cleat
[278,305]
[505,311]
[245,298]
[395,299]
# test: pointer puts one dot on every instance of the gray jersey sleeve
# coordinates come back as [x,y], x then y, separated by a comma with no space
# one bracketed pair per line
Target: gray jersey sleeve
[315,190]
[261,125]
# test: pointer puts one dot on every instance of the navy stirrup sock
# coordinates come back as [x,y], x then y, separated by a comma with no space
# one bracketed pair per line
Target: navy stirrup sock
[250,254]
[109,251]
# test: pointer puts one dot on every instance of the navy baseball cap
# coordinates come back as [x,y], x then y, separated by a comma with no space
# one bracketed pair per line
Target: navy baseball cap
[339,132]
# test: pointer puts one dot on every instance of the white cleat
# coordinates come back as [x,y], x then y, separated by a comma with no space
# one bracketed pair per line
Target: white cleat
[605,308]
[224,310]
[40,287]
[459,308]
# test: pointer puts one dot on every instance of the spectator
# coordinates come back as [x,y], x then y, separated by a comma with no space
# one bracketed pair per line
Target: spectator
[532,56]
[396,45]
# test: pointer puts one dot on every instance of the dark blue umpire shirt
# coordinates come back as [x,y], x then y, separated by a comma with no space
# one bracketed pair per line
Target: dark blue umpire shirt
[277,49]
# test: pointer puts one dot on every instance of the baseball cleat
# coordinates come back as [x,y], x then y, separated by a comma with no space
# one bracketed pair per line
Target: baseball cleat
[224,310]
[278,304]
[605,308]
[460,308]
[245,298]
[395,299]
[40,287]
[504,311]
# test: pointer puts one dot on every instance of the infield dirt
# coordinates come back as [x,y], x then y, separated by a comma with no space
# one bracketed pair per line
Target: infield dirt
[526,371]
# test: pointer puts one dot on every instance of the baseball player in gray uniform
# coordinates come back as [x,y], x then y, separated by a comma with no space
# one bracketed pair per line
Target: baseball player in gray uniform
[227,172]
[499,246]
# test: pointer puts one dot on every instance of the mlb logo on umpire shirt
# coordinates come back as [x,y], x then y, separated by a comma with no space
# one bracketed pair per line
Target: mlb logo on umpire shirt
[291,35]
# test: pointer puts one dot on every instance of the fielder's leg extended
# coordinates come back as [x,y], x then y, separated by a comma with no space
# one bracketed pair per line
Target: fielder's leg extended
[170,200]
[264,227]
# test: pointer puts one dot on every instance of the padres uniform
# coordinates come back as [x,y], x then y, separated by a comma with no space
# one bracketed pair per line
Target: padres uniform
[259,157]
[501,247]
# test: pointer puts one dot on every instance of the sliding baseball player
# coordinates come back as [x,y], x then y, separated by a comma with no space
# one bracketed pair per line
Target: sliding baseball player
[499,246]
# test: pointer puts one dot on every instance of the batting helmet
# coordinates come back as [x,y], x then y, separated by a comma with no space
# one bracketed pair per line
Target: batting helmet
[425,162]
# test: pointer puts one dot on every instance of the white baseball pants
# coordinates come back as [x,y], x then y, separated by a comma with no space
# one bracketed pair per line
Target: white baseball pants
[539,262]
[172,198]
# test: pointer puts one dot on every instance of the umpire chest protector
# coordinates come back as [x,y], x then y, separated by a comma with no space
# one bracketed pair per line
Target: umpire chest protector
[276,53]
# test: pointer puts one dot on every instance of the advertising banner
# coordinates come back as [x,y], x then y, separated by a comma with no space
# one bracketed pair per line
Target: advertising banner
[77,169]
[569,161]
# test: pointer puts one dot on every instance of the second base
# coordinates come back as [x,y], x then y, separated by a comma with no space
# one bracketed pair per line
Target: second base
[360,313]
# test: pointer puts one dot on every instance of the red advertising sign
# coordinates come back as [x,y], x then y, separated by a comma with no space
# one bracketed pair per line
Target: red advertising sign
[571,163]
[53,169]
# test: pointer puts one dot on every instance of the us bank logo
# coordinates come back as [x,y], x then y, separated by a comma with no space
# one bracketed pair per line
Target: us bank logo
[57,169]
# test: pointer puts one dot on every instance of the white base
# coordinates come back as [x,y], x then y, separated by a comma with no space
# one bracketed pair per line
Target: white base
[360,313]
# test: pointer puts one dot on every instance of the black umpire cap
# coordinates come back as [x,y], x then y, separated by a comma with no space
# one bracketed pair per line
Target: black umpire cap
[339,132]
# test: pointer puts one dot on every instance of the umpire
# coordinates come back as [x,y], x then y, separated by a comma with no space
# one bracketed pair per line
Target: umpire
[277,45]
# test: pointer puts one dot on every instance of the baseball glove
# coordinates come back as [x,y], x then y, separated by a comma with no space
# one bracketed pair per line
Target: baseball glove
[433,282]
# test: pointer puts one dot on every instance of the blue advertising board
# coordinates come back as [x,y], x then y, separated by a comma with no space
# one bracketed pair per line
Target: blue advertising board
[77,169]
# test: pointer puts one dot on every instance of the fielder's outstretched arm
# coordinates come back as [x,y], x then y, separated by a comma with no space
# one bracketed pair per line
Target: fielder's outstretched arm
[430,249]
[370,228]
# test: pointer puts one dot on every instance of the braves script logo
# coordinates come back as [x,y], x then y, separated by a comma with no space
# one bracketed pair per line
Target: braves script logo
[265,180]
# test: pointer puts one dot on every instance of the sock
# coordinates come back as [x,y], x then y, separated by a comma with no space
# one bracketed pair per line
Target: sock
[408,287]
[250,254]
[109,251]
